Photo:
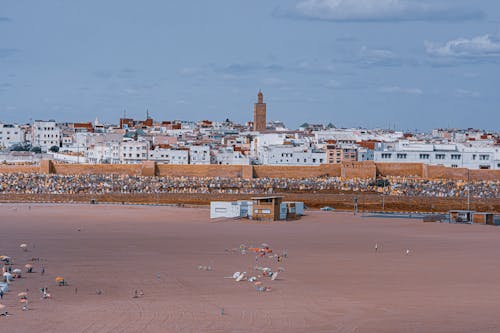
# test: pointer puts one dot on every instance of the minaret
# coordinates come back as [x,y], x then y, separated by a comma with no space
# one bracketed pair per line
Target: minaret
[259,114]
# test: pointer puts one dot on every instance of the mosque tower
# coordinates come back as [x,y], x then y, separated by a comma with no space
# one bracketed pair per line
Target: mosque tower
[259,114]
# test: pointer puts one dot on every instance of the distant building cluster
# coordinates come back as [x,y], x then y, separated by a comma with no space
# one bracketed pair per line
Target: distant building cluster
[228,143]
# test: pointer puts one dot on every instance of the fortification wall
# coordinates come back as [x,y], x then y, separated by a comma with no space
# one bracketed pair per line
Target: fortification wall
[9,168]
[366,169]
[359,170]
[85,169]
[399,169]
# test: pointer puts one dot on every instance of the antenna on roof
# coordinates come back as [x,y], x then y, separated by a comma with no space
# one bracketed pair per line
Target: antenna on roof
[124,113]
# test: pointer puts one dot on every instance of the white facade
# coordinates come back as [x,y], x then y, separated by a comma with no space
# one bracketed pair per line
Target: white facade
[133,152]
[449,155]
[169,155]
[199,155]
[230,157]
[11,135]
[291,155]
[45,134]
[103,153]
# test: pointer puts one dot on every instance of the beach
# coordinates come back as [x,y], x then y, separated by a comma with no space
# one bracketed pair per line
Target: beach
[333,279]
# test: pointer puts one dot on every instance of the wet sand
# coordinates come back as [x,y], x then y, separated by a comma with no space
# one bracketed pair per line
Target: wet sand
[333,280]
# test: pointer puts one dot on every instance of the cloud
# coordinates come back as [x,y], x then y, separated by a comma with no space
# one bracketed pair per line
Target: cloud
[481,47]
[379,11]
[377,57]
[401,90]
[5,52]
[463,93]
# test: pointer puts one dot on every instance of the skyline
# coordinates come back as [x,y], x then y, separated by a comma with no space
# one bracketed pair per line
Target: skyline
[410,64]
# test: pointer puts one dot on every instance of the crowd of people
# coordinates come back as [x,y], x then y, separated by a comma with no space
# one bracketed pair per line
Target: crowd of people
[108,184]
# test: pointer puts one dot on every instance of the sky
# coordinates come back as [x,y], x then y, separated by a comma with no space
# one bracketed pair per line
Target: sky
[402,64]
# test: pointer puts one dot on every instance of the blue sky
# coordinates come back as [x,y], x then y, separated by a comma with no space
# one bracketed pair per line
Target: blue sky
[408,64]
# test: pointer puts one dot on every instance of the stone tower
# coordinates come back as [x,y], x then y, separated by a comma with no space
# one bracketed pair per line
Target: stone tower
[259,114]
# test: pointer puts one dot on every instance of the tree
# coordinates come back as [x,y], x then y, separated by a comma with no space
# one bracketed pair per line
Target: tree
[20,147]
[36,150]
[54,149]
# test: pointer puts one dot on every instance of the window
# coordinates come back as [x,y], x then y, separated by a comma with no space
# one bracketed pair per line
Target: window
[440,156]
[454,166]
[474,157]
[424,156]
[455,156]
[401,156]
[386,156]
[484,157]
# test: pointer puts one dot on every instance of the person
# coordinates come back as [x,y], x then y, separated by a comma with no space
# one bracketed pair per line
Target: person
[42,271]
[1,293]
[135,294]
[376,247]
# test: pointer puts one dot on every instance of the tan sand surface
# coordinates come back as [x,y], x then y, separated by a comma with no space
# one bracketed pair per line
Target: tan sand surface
[333,280]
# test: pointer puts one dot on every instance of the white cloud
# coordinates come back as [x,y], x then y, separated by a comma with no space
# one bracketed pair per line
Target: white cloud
[401,90]
[463,93]
[485,46]
[367,56]
[382,10]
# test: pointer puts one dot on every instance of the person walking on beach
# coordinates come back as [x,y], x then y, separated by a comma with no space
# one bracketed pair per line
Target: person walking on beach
[1,293]
[376,247]
[42,271]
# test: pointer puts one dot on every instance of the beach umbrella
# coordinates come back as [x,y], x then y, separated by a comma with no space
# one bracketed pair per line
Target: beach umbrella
[4,258]
[22,294]
[7,275]
[17,271]
[24,246]
[59,279]
[28,266]
[258,283]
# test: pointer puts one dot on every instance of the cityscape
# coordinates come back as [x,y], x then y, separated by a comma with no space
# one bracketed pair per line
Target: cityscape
[264,166]
[257,142]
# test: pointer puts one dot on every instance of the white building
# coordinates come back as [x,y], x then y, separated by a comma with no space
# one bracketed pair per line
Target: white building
[449,155]
[199,155]
[133,152]
[227,156]
[169,155]
[11,135]
[103,153]
[45,134]
[291,155]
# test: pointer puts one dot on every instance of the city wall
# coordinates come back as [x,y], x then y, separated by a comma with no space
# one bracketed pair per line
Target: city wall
[367,169]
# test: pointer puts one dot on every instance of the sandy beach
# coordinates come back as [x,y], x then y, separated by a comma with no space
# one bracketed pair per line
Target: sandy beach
[333,279]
